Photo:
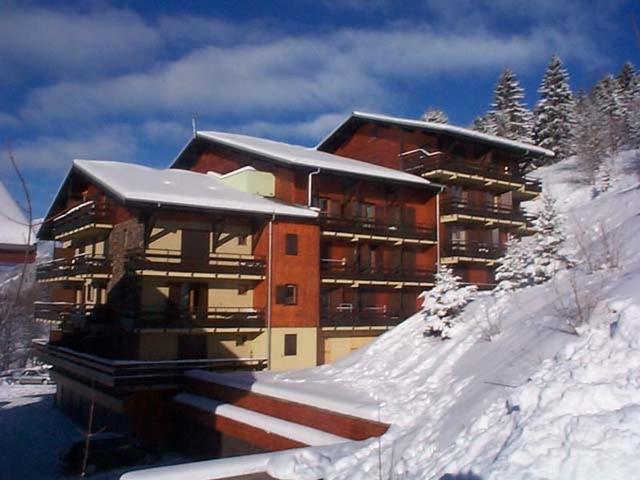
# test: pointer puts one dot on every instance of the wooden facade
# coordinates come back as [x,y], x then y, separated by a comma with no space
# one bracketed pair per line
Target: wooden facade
[484,180]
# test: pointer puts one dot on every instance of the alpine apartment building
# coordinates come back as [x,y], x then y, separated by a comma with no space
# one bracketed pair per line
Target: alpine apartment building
[250,254]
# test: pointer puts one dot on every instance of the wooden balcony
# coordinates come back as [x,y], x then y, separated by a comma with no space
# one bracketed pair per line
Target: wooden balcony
[173,263]
[376,228]
[488,215]
[346,316]
[74,268]
[463,251]
[72,315]
[449,169]
[88,218]
[218,317]
[339,271]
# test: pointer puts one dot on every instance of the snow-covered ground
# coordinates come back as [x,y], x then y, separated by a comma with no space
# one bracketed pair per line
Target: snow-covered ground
[536,401]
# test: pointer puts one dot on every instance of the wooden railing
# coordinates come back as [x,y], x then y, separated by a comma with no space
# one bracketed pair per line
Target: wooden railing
[418,164]
[67,312]
[488,210]
[472,249]
[375,226]
[86,213]
[215,317]
[364,316]
[341,269]
[174,260]
[85,264]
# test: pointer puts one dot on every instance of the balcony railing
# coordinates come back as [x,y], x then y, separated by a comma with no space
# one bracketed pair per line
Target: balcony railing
[80,265]
[419,164]
[484,250]
[331,268]
[216,317]
[87,213]
[374,226]
[134,373]
[344,316]
[486,210]
[175,261]
[73,315]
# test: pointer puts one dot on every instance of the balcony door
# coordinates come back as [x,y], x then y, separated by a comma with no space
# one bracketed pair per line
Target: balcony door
[195,247]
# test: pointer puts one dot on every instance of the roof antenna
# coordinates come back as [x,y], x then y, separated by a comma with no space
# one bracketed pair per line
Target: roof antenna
[194,118]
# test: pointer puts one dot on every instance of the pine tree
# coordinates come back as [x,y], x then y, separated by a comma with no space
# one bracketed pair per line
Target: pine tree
[444,302]
[434,115]
[512,271]
[589,138]
[555,113]
[606,96]
[512,118]
[485,124]
[629,95]
[547,242]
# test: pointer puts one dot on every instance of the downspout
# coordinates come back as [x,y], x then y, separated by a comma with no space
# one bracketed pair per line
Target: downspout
[310,186]
[438,231]
[269,288]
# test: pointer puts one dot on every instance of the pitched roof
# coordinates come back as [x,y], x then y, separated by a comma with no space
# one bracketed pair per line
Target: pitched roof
[311,158]
[14,227]
[180,188]
[442,128]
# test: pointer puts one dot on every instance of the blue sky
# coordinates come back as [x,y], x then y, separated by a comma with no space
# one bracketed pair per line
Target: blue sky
[120,80]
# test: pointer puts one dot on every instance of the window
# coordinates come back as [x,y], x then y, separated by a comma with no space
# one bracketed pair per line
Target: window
[287,294]
[290,344]
[291,244]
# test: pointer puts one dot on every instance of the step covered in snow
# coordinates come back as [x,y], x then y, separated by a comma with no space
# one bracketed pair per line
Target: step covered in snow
[236,390]
[257,428]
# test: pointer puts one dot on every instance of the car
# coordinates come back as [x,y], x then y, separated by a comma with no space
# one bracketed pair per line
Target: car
[107,450]
[32,376]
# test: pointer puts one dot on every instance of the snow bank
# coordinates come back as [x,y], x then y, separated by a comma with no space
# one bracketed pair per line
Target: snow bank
[537,401]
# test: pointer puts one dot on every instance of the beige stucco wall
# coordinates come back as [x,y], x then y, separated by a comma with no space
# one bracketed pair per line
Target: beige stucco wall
[158,346]
[233,245]
[339,347]
[251,181]
[226,295]
[169,238]
[307,351]
[154,293]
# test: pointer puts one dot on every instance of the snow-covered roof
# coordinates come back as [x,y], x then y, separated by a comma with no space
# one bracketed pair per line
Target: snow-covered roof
[309,157]
[183,188]
[443,128]
[14,226]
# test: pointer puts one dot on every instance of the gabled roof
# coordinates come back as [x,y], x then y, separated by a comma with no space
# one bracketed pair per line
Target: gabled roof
[180,188]
[14,227]
[310,158]
[138,184]
[452,130]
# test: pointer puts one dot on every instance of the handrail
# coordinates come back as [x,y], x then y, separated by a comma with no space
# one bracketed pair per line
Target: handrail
[354,223]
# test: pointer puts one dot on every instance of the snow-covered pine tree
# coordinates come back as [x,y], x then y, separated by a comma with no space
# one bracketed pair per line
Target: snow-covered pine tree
[606,96]
[434,115]
[444,302]
[512,271]
[588,137]
[513,119]
[554,114]
[629,92]
[485,124]
[547,242]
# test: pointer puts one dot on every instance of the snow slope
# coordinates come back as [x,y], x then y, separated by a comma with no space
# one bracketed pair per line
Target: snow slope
[537,401]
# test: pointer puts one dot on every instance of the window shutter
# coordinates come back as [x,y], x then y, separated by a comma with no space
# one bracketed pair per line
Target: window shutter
[281,294]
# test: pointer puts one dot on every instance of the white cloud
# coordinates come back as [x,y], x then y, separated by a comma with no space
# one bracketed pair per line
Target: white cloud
[7,120]
[309,130]
[167,131]
[48,154]
[62,43]
[313,73]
